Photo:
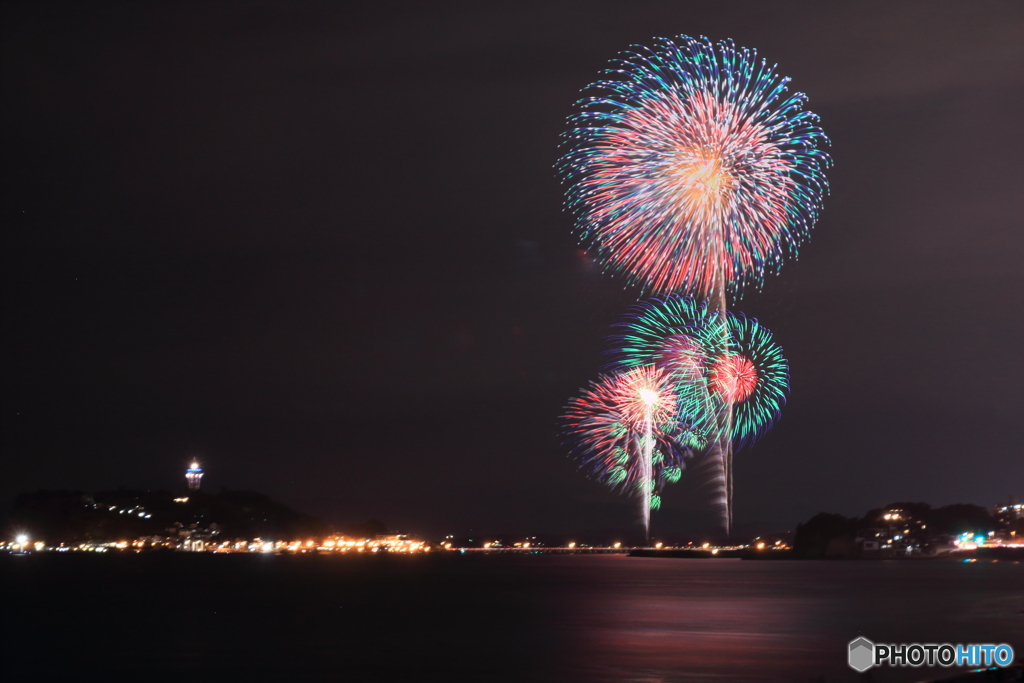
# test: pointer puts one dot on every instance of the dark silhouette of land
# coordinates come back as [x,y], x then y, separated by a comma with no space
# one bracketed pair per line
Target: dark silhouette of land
[899,528]
[72,517]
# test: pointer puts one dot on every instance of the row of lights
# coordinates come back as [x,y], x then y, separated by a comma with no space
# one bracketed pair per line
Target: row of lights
[21,544]
[778,545]
[342,544]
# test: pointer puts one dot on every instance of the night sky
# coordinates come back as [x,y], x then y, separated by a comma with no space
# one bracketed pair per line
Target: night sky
[322,248]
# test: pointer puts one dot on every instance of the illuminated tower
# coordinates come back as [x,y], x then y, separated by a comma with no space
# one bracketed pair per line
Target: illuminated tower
[194,474]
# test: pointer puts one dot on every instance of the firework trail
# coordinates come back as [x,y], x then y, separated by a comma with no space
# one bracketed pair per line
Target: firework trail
[624,429]
[693,171]
[747,379]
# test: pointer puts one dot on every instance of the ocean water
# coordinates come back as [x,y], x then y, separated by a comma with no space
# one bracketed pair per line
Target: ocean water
[489,617]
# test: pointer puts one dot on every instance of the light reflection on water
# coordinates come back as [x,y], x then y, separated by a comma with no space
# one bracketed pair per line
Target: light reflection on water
[491,617]
[648,619]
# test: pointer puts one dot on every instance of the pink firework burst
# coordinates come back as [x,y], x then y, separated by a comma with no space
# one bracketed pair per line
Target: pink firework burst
[644,394]
[733,377]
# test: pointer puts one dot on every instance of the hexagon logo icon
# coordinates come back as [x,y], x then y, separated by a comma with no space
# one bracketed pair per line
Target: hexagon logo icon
[862,654]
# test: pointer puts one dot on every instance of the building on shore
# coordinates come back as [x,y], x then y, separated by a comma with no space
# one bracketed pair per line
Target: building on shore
[193,475]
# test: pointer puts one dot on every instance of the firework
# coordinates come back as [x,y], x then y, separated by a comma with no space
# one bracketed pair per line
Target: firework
[749,377]
[692,170]
[671,334]
[713,364]
[729,376]
[625,430]
[660,331]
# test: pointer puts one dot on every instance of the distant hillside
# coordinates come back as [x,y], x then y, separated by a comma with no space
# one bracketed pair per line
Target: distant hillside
[911,524]
[75,516]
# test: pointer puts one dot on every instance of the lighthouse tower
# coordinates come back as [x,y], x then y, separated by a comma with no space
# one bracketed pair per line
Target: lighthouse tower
[193,475]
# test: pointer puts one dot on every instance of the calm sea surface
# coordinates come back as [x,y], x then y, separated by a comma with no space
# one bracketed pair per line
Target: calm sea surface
[489,617]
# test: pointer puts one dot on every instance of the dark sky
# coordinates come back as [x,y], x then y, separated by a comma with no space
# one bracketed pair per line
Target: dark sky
[322,248]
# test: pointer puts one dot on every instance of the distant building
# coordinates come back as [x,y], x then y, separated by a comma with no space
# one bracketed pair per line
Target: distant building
[193,475]
[894,532]
[1010,512]
[195,538]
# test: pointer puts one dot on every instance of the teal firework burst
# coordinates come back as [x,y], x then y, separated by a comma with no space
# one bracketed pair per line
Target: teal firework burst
[728,372]
[748,377]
